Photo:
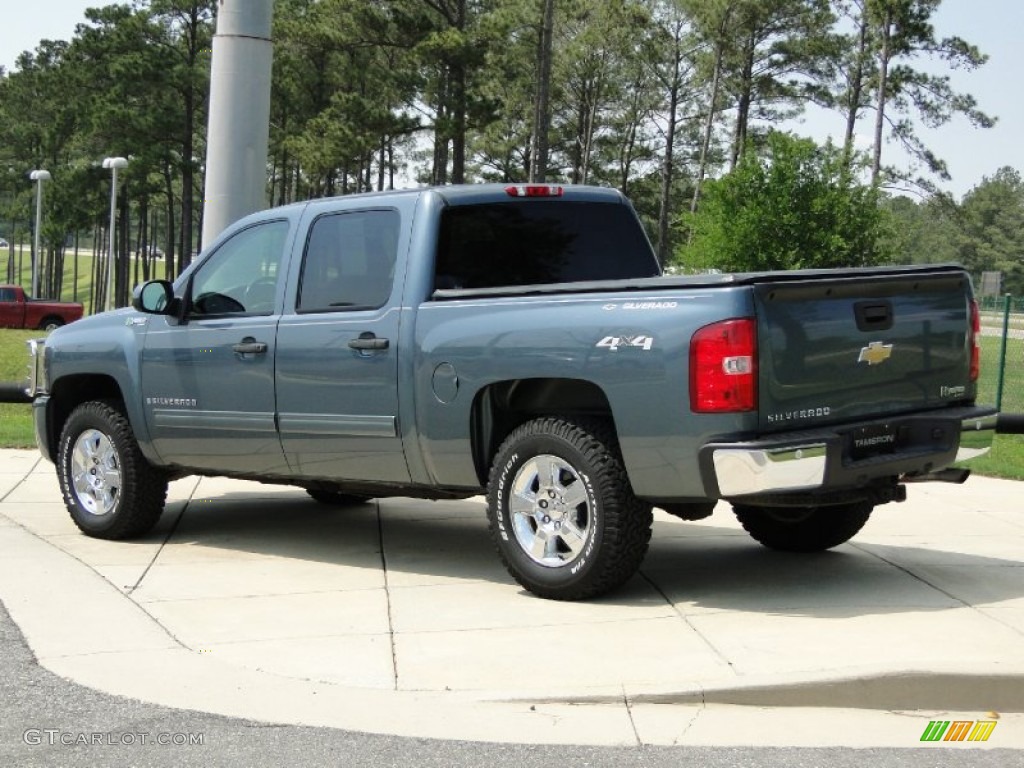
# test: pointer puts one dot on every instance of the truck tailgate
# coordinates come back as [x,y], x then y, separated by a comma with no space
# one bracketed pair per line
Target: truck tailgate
[840,349]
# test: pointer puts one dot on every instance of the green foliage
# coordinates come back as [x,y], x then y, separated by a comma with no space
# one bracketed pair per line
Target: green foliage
[984,232]
[793,207]
[922,232]
[991,234]
[649,96]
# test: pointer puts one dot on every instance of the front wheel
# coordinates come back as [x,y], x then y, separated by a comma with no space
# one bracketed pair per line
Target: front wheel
[561,510]
[803,529]
[110,490]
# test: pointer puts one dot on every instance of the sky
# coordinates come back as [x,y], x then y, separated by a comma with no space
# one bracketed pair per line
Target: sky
[971,153]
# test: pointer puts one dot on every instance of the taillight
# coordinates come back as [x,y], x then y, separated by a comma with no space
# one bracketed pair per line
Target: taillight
[723,367]
[975,341]
[533,190]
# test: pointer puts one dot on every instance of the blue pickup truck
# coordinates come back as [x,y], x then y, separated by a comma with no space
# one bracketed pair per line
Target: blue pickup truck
[518,341]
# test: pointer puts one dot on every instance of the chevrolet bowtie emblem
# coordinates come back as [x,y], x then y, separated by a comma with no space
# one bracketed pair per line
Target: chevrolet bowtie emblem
[875,353]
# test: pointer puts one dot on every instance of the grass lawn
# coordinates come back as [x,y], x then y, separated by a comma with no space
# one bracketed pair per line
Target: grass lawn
[1005,460]
[1007,456]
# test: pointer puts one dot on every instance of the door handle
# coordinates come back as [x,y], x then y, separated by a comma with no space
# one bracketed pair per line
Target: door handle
[249,346]
[368,342]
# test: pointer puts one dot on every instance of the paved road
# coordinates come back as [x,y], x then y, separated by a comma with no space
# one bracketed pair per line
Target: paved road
[34,701]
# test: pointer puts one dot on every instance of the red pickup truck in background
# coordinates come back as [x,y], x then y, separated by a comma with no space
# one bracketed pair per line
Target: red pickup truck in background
[19,311]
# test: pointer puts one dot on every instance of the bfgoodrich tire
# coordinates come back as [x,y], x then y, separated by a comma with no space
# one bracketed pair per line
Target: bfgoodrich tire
[110,490]
[811,529]
[561,510]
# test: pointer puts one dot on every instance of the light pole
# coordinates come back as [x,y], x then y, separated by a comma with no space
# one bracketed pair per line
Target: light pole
[38,177]
[113,163]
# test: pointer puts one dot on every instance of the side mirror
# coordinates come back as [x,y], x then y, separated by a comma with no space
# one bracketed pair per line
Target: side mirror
[154,298]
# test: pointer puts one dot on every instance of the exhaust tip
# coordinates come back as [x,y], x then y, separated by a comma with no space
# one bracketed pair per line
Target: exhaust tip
[955,475]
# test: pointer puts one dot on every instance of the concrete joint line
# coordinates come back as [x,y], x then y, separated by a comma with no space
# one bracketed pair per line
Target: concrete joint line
[167,538]
[17,485]
[696,716]
[387,595]
[938,589]
[629,714]
[688,623]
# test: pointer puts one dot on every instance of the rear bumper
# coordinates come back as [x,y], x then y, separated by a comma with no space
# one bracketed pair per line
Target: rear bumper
[828,459]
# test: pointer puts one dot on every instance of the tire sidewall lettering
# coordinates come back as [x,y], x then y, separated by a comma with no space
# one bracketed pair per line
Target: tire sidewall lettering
[503,508]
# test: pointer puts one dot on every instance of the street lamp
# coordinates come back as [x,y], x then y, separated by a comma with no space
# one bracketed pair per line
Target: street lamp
[38,177]
[113,163]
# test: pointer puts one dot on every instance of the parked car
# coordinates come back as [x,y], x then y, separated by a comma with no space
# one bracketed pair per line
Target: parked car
[17,310]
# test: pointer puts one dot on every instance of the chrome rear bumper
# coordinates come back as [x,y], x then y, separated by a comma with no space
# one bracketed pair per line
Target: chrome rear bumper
[821,459]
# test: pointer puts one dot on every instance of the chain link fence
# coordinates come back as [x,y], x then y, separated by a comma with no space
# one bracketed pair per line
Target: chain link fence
[1002,363]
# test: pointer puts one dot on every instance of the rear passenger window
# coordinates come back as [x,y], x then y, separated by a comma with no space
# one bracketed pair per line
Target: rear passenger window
[349,261]
[536,242]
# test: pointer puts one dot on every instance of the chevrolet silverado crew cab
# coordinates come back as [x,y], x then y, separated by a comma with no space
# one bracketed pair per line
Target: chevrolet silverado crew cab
[521,342]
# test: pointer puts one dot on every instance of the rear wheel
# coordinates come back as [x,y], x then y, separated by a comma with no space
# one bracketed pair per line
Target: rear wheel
[561,510]
[803,529]
[50,324]
[110,490]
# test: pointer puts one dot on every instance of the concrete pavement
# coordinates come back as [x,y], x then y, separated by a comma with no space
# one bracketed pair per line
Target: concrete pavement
[397,617]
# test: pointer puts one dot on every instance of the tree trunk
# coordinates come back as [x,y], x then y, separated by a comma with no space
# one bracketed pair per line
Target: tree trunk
[170,274]
[460,104]
[542,108]
[743,108]
[121,259]
[74,274]
[855,93]
[458,123]
[883,84]
[439,174]
[668,167]
[709,124]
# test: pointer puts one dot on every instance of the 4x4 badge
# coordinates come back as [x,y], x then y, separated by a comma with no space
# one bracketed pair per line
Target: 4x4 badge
[875,353]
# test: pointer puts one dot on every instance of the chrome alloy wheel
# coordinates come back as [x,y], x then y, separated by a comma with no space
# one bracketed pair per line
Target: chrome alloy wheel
[550,511]
[95,472]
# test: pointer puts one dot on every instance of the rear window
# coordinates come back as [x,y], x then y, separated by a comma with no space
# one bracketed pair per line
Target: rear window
[535,242]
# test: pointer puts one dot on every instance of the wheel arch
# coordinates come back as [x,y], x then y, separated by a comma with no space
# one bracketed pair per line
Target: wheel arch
[69,392]
[502,406]
[56,320]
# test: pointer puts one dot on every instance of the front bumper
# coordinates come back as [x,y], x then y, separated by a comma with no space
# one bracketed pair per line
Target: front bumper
[40,416]
[836,458]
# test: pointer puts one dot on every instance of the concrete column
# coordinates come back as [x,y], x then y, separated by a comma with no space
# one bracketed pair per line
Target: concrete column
[239,127]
